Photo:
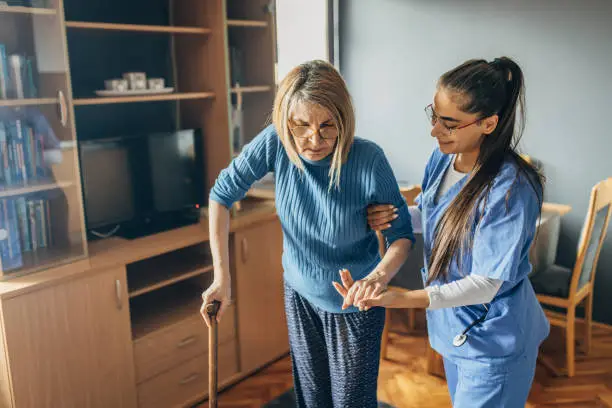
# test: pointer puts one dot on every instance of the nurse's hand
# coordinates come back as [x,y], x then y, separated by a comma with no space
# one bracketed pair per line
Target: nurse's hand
[355,292]
[380,216]
[388,299]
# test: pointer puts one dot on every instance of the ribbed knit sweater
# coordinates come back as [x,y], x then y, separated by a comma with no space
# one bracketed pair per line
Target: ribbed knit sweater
[323,230]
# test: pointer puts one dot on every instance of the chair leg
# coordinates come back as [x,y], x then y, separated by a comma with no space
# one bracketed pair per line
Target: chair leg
[588,323]
[385,335]
[435,363]
[412,319]
[571,341]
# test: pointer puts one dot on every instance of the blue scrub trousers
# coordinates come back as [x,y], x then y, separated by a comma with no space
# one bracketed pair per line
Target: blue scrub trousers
[503,386]
[335,356]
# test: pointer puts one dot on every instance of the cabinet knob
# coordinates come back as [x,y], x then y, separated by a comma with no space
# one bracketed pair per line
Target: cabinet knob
[186,341]
[118,294]
[189,378]
[244,249]
[63,110]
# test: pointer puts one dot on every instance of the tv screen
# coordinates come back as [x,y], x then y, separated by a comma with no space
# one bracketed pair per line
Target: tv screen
[143,184]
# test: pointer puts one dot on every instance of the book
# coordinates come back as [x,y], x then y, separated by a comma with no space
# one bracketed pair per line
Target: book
[22,152]
[4,73]
[29,78]
[33,225]
[5,171]
[19,135]
[10,245]
[15,63]
[42,227]
[24,225]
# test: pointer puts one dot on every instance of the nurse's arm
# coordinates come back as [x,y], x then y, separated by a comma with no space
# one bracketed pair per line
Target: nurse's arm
[394,299]
[471,290]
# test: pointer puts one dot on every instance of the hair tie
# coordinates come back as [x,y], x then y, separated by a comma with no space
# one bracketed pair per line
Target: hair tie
[499,65]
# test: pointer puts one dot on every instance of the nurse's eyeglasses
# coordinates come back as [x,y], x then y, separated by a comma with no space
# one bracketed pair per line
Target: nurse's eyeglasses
[434,118]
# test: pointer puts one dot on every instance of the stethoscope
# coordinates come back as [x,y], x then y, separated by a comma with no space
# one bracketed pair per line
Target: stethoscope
[460,339]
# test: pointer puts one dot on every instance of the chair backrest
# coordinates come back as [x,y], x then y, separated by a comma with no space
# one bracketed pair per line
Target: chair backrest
[593,235]
[410,193]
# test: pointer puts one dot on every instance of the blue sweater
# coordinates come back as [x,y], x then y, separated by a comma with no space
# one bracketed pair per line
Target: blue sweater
[324,230]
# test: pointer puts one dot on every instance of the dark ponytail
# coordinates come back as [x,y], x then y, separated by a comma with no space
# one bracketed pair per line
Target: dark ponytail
[489,88]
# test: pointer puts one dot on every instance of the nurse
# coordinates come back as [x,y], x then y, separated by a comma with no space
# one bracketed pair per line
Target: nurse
[479,206]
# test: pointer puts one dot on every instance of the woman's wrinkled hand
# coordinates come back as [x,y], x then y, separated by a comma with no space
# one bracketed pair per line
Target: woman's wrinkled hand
[355,293]
[219,291]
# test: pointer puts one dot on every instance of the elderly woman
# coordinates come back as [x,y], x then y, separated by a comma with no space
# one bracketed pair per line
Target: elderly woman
[325,179]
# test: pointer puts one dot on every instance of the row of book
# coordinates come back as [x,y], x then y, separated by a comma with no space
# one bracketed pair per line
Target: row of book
[21,154]
[17,75]
[24,228]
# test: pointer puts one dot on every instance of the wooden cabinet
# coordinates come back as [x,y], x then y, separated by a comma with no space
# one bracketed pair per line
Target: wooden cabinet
[41,216]
[70,345]
[262,328]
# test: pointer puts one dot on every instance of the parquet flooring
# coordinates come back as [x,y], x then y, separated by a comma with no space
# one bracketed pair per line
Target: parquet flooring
[404,383]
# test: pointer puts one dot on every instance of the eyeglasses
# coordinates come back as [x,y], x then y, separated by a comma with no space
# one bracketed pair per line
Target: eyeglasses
[326,132]
[434,118]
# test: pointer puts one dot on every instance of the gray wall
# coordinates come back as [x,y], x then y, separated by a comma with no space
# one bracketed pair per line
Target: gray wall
[393,51]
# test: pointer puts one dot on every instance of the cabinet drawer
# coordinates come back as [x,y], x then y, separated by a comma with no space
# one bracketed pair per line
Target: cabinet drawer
[168,347]
[188,382]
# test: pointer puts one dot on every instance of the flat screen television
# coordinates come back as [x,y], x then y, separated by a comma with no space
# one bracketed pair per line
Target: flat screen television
[140,185]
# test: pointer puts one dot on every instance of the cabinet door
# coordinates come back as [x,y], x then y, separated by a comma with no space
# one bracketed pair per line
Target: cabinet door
[36,120]
[262,328]
[70,345]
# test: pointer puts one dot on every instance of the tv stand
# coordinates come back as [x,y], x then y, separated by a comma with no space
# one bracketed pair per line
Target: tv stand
[153,225]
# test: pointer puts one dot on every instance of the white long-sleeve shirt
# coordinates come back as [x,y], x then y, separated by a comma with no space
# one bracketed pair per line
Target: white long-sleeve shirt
[471,290]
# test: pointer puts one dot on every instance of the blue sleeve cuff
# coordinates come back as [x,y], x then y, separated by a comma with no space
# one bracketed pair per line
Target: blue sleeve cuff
[401,228]
[227,203]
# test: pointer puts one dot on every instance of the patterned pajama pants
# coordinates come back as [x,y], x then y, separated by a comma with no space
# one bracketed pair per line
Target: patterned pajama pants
[335,356]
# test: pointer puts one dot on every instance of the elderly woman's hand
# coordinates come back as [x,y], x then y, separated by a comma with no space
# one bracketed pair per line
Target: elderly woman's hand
[356,292]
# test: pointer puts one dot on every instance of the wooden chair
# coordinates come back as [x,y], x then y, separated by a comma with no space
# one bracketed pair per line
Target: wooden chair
[409,193]
[567,288]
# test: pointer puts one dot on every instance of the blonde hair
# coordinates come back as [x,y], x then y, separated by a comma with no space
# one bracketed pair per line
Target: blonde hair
[316,82]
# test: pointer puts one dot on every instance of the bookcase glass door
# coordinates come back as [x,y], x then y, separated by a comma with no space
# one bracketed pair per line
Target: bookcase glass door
[41,221]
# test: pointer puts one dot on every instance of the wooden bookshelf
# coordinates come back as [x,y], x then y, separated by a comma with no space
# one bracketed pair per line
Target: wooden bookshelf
[28,10]
[162,278]
[46,258]
[103,100]
[28,102]
[251,89]
[33,188]
[163,308]
[251,42]
[167,269]
[247,23]
[142,290]
[137,27]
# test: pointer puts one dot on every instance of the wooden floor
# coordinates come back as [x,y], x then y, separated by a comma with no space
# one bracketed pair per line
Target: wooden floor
[404,383]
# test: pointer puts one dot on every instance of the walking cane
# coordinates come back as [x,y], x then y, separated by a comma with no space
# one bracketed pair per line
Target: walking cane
[211,310]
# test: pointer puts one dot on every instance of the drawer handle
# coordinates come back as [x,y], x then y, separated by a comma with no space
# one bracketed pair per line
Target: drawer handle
[244,250]
[118,294]
[186,341]
[189,379]
[63,111]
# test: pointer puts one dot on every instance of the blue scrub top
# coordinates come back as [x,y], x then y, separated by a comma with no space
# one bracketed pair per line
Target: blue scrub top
[515,323]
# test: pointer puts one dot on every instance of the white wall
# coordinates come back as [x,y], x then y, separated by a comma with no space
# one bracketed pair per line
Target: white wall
[301,32]
[393,51]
